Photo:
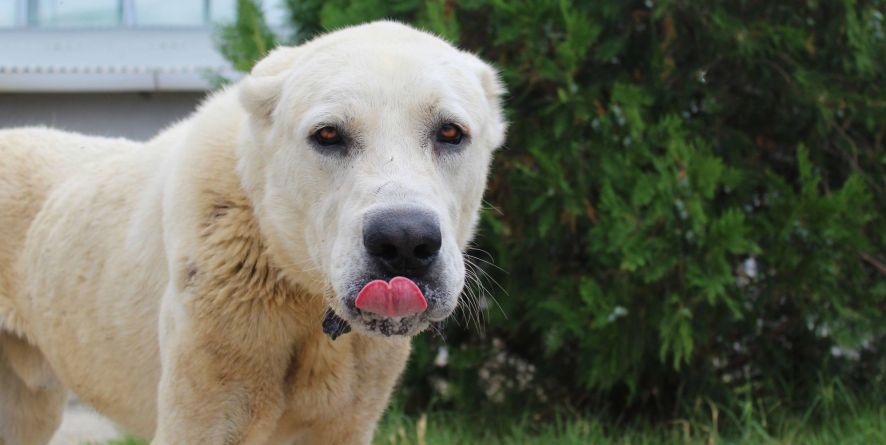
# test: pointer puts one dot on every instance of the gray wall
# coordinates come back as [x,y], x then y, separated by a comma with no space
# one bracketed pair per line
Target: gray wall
[136,116]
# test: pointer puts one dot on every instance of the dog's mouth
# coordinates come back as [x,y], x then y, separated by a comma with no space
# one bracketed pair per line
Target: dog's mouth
[400,306]
[400,297]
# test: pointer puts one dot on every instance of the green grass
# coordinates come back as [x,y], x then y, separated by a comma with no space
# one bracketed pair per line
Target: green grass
[861,426]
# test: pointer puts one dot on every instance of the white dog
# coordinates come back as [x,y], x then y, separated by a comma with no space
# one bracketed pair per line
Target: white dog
[183,286]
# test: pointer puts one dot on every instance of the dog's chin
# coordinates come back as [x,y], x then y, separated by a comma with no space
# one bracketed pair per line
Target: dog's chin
[371,324]
[335,325]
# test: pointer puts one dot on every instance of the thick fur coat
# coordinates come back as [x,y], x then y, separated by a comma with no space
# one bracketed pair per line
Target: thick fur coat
[179,285]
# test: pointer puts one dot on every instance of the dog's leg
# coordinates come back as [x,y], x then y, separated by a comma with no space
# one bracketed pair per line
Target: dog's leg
[348,431]
[222,381]
[31,400]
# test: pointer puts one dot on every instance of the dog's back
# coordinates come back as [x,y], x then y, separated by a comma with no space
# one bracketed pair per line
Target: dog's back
[33,161]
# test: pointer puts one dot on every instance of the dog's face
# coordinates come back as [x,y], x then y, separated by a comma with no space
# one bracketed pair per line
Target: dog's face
[367,157]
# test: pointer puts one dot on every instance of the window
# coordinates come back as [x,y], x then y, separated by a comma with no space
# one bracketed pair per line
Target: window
[103,14]
[68,14]
[7,13]
[161,13]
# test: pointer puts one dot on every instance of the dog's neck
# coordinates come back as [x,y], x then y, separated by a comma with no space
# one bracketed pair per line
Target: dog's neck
[237,256]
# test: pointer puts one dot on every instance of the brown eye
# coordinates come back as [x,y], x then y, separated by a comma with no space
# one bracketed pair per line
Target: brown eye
[328,136]
[450,134]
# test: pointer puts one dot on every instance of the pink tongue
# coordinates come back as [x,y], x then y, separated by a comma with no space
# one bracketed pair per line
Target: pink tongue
[399,298]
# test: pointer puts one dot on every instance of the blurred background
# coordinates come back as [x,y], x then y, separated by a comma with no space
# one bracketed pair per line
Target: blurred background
[684,237]
[111,67]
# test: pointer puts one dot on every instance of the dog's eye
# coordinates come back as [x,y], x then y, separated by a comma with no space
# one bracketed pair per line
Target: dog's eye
[327,136]
[449,134]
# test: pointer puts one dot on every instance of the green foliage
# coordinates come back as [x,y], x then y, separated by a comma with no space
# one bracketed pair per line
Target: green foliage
[690,204]
[248,38]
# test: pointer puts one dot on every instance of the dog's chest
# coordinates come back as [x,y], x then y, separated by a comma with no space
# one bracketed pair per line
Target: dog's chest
[353,375]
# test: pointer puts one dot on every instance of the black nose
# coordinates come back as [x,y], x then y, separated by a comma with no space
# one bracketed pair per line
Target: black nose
[403,241]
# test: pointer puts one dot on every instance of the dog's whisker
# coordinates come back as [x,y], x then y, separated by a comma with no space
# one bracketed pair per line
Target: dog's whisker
[489,263]
[479,250]
[474,290]
[477,276]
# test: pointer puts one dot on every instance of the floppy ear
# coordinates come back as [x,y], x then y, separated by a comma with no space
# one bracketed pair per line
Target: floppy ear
[260,90]
[494,90]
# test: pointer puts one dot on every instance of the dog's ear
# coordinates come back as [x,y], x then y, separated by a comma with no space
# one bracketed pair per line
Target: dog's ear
[495,91]
[260,91]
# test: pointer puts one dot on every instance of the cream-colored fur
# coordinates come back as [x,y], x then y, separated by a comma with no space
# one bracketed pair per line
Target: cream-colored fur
[179,285]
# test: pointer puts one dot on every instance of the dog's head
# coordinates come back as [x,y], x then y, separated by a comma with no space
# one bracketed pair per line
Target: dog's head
[366,156]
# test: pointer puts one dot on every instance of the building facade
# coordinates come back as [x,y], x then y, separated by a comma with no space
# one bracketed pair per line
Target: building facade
[110,67]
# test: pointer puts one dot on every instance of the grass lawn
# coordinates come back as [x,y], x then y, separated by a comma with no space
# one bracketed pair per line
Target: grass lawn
[862,428]
[865,426]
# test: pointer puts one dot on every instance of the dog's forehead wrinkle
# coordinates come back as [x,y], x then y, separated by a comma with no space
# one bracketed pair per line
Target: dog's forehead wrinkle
[374,87]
